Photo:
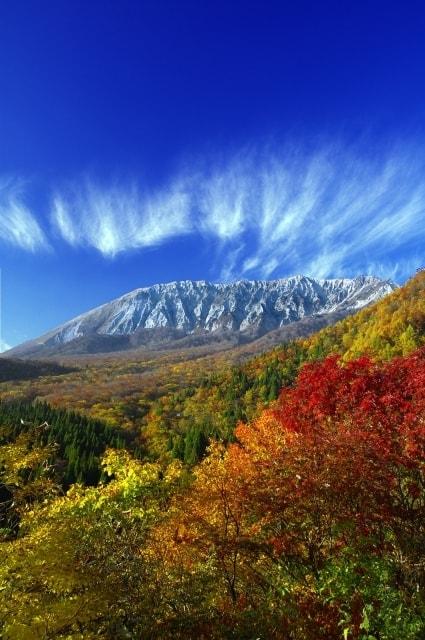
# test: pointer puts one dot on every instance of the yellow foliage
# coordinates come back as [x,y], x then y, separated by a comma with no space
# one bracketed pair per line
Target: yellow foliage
[394,326]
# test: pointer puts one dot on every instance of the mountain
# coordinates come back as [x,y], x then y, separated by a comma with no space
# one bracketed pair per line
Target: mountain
[393,327]
[165,313]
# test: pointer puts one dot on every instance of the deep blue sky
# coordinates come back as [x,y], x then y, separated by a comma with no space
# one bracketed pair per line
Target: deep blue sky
[143,142]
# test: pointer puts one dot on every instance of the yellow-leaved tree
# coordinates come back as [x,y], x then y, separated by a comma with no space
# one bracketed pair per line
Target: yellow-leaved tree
[78,568]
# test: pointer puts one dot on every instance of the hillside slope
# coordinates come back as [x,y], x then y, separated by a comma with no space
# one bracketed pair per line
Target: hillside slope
[394,326]
[177,403]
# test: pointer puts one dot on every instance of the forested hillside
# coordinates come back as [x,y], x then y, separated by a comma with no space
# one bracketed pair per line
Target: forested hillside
[392,327]
[172,406]
[309,526]
[77,441]
[283,498]
[184,421]
[15,369]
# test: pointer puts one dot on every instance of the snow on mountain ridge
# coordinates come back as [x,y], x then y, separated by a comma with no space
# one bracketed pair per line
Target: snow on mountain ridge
[201,306]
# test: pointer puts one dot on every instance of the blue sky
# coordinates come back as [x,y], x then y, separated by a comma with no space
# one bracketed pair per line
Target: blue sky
[144,142]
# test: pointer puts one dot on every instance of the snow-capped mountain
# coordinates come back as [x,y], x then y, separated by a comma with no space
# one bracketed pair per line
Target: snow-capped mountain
[193,307]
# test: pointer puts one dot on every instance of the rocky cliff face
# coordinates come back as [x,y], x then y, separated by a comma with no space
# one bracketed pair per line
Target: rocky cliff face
[191,307]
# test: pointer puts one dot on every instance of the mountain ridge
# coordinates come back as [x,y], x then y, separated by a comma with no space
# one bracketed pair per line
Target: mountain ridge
[251,308]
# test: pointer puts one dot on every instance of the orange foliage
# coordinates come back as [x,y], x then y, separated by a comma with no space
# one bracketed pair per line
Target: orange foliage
[337,465]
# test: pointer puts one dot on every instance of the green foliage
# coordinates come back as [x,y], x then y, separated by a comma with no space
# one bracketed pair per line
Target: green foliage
[195,444]
[369,584]
[213,409]
[26,478]
[80,440]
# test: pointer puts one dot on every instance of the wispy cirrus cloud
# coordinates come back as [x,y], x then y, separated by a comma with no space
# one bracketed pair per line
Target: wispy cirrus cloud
[117,218]
[327,211]
[330,211]
[18,225]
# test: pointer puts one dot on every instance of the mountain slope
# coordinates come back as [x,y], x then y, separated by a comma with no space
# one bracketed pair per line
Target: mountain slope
[168,312]
[395,326]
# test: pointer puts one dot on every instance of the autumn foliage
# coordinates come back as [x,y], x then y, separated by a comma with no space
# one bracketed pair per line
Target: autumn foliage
[306,522]
[315,518]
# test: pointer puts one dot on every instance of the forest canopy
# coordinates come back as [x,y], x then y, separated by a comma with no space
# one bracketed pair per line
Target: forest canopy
[282,498]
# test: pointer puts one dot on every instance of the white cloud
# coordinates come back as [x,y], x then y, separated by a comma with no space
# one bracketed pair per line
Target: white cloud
[333,211]
[18,226]
[117,219]
[4,346]
[396,270]
[327,213]
[222,202]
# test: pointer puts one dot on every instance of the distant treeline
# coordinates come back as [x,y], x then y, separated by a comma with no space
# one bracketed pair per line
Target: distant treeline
[15,369]
[80,440]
